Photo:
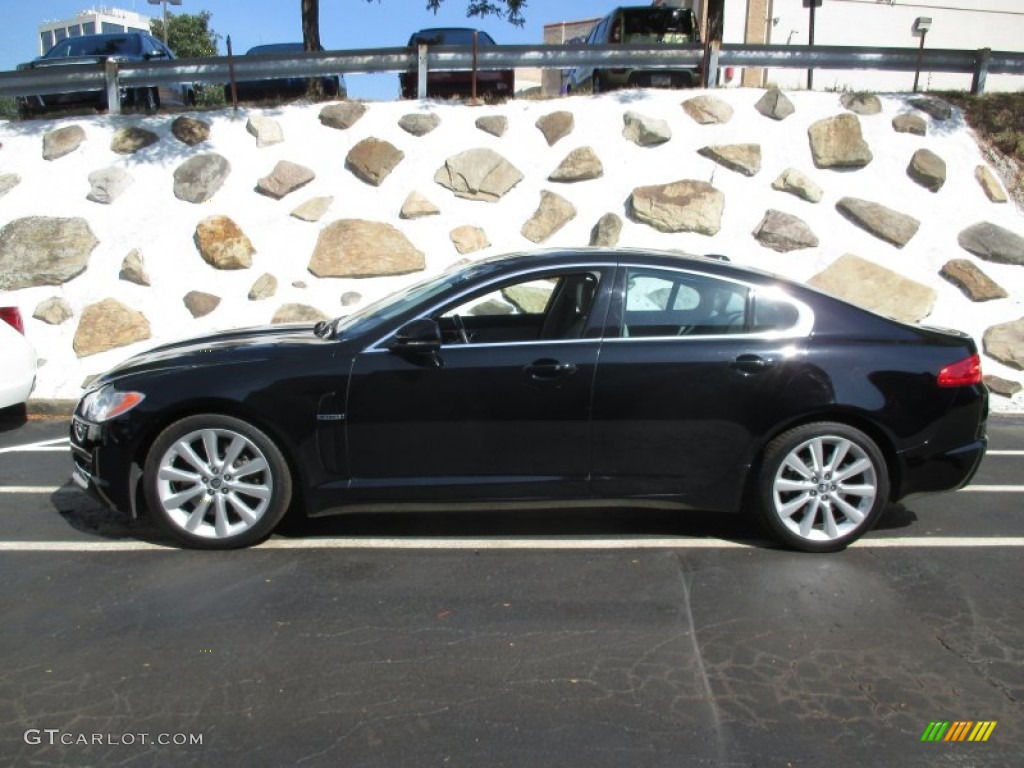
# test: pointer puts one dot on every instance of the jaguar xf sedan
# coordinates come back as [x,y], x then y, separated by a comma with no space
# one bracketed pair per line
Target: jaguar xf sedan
[562,376]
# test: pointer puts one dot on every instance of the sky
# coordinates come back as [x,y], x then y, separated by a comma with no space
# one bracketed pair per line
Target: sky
[344,25]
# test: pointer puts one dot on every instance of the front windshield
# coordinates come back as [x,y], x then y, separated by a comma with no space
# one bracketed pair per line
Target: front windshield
[98,45]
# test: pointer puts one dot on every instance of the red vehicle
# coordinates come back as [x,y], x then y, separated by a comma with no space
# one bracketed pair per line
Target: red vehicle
[452,83]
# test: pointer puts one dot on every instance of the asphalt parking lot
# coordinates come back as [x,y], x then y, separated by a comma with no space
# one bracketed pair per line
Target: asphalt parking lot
[590,638]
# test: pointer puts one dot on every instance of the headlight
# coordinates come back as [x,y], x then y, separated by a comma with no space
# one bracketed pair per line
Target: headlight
[107,402]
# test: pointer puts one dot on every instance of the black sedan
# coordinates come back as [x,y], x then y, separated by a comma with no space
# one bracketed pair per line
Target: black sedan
[444,83]
[333,86]
[551,377]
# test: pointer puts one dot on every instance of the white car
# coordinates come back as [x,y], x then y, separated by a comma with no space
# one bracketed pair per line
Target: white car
[18,371]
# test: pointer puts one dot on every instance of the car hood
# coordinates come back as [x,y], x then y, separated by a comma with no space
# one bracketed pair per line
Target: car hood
[68,61]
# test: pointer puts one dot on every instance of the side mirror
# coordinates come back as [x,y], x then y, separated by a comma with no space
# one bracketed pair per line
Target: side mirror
[423,335]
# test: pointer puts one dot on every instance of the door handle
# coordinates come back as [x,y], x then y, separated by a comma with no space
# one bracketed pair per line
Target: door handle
[752,363]
[550,369]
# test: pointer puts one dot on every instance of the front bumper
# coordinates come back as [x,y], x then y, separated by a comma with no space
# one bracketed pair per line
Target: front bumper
[102,467]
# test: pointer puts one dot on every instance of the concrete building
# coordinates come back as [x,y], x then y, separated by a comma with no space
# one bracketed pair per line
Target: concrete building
[91,22]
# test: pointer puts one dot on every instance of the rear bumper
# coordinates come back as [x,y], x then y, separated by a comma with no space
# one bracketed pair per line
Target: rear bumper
[946,471]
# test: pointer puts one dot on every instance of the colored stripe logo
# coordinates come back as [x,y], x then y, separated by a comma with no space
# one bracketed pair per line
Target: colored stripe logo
[959,730]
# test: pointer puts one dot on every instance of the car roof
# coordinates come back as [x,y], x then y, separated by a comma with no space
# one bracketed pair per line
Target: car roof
[275,47]
[448,32]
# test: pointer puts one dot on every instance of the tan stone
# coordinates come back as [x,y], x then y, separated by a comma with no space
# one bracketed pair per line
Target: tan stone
[108,324]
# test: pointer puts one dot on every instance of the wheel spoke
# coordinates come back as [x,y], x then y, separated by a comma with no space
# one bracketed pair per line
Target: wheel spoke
[260,492]
[250,468]
[864,491]
[838,456]
[209,437]
[794,463]
[185,451]
[810,517]
[853,514]
[246,513]
[175,475]
[816,447]
[238,445]
[195,518]
[859,466]
[175,501]
[829,522]
[221,516]
[789,509]
[785,485]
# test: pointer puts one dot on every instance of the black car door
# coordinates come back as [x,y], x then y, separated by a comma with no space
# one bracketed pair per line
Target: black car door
[501,410]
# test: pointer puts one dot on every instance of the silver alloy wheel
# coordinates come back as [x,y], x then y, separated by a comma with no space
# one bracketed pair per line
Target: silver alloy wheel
[214,483]
[824,488]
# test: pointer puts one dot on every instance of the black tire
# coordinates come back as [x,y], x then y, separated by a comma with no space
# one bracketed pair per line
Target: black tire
[216,482]
[821,486]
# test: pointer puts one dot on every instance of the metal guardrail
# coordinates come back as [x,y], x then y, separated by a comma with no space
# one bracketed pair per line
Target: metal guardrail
[114,76]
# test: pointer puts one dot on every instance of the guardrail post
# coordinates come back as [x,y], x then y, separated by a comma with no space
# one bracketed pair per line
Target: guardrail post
[113,89]
[421,72]
[981,71]
[711,64]
[231,76]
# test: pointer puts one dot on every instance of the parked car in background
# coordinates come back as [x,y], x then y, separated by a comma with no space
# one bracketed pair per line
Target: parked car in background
[17,359]
[642,26]
[94,49]
[452,83]
[286,87]
[559,377]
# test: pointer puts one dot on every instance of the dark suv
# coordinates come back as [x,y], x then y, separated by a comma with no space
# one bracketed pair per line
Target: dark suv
[640,26]
[449,83]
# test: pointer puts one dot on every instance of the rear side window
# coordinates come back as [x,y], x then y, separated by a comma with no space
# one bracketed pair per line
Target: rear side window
[668,303]
[658,25]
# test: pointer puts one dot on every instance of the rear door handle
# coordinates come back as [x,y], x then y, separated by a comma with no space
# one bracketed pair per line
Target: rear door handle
[550,369]
[752,363]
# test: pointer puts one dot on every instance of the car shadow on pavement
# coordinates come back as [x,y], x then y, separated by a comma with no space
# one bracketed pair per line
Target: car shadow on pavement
[89,516]
[12,417]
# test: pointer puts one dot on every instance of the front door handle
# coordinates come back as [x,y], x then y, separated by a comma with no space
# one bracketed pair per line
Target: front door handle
[752,363]
[550,369]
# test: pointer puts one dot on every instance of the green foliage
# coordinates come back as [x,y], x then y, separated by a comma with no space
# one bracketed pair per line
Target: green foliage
[997,117]
[188,34]
[511,10]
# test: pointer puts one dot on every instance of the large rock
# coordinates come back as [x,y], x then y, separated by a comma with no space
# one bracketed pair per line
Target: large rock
[707,110]
[783,232]
[939,110]
[607,231]
[908,122]
[496,125]
[285,179]
[645,131]
[468,239]
[884,223]
[108,324]
[358,248]
[582,164]
[679,206]
[223,244]
[313,209]
[775,104]
[1000,386]
[876,288]
[298,313]
[62,141]
[478,174]
[1005,343]
[53,311]
[108,184]
[993,243]
[556,126]
[416,206]
[796,183]
[133,269]
[837,142]
[8,181]
[419,124]
[198,178]
[189,130]
[128,141]
[373,159]
[264,287]
[42,250]
[927,169]
[553,213]
[342,116]
[266,130]
[200,304]
[742,158]
[861,103]
[989,184]
[975,284]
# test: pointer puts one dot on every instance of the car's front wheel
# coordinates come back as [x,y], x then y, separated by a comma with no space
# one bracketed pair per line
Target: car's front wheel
[822,486]
[216,482]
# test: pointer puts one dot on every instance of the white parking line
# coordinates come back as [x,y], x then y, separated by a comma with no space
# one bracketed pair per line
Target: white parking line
[1004,453]
[57,444]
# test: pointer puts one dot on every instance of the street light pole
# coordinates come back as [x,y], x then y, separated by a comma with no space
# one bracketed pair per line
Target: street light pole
[921,25]
[164,3]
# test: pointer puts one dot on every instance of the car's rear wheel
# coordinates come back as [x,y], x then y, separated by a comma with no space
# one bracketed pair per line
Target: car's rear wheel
[822,486]
[216,482]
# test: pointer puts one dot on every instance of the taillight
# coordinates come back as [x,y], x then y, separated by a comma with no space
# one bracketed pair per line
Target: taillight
[12,316]
[965,373]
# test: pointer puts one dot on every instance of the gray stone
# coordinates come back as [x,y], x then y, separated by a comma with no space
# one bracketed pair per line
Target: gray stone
[189,130]
[43,250]
[496,125]
[528,299]
[992,243]
[298,313]
[707,110]
[742,158]
[607,231]
[133,269]
[645,131]
[837,142]
[876,288]
[556,126]
[200,304]
[927,169]
[106,325]
[62,141]
[108,184]
[223,244]
[468,239]
[478,174]
[8,181]
[264,287]
[416,206]
[53,311]
[884,223]
[679,206]
[775,104]
[313,209]
[910,123]
[783,232]
[939,110]
[373,159]
[419,124]
[1005,343]
[975,284]
[300,284]
[553,213]
[128,141]
[582,164]
[284,179]
[342,116]
[796,183]
[1001,387]
[266,130]
[198,178]
[358,248]
[351,298]
[861,103]
[989,184]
